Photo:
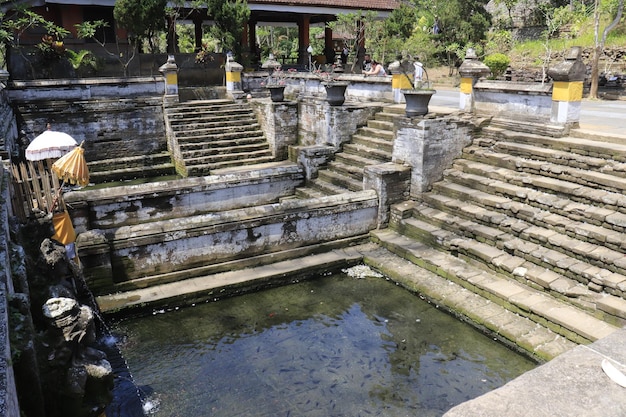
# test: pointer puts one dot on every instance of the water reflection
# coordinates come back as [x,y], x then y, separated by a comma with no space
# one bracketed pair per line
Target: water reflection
[335,346]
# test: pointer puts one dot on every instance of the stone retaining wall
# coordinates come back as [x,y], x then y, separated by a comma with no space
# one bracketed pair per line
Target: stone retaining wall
[361,88]
[531,101]
[117,118]
[130,205]
[9,406]
[168,247]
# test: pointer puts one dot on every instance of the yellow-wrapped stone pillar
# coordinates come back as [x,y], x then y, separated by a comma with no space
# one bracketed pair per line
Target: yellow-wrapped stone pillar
[170,72]
[402,73]
[233,76]
[470,71]
[567,89]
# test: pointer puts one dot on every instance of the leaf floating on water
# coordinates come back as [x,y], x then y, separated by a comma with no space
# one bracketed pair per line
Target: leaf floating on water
[616,375]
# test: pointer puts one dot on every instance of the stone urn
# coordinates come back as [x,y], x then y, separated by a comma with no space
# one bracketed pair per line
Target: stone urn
[277,93]
[417,101]
[335,92]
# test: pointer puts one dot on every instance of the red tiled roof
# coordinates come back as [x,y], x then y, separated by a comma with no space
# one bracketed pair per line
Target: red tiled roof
[342,4]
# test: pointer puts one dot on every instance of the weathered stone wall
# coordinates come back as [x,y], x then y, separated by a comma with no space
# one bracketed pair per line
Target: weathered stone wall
[129,205]
[306,84]
[322,124]
[279,122]
[531,101]
[8,128]
[93,111]
[428,146]
[178,245]
[9,406]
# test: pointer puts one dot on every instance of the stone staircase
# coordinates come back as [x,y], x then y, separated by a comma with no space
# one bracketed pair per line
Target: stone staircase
[533,223]
[213,134]
[370,145]
[157,165]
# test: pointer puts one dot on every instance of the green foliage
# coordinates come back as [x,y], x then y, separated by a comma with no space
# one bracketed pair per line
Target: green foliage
[88,29]
[497,63]
[400,23]
[144,18]
[499,40]
[14,24]
[82,59]
[230,17]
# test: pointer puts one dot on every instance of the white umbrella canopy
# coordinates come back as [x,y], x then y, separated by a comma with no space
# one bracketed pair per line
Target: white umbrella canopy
[50,144]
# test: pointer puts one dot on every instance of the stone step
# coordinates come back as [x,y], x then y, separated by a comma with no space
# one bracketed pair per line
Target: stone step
[563,318]
[340,180]
[536,274]
[382,144]
[210,282]
[309,192]
[354,159]
[234,154]
[592,173]
[549,193]
[209,114]
[326,187]
[197,168]
[352,171]
[595,266]
[381,126]
[195,105]
[234,151]
[514,330]
[224,141]
[128,174]
[367,152]
[506,212]
[587,146]
[387,116]
[103,165]
[209,126]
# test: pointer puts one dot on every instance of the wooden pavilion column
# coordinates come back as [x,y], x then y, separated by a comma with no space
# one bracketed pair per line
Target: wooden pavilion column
[304,23]
[329,47]
[197,27]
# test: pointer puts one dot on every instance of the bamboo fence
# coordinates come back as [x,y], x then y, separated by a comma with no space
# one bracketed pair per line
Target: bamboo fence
[35,189]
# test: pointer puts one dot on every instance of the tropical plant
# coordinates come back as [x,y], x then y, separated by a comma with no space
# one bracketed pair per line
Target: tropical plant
[82,59]
[497,63]
[16,23]
[124,55]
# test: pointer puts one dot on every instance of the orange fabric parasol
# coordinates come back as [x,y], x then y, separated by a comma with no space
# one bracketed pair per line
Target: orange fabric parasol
[72,167]
[63,229]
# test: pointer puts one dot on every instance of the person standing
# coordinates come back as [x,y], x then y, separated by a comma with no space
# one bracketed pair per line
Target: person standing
[419,73]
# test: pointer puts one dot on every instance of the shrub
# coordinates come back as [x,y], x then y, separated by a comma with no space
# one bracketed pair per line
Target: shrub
[497,63]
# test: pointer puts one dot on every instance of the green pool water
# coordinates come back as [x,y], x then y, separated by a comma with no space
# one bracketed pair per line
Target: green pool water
[333,346]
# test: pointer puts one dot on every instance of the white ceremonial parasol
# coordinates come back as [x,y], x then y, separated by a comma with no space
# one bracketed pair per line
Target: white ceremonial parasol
[50,145]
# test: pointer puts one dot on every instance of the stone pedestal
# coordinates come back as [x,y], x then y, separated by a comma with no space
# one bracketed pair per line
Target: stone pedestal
[429,146]
[391,183]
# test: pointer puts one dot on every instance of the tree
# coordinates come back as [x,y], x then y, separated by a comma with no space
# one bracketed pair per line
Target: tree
[143,18]
[17,22]
[458,22]
[230,17]
[599,42]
